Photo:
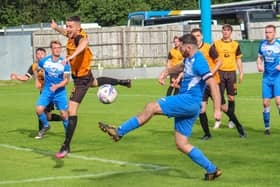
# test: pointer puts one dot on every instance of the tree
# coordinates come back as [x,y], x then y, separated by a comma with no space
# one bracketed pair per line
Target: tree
[104,12]
[109,12]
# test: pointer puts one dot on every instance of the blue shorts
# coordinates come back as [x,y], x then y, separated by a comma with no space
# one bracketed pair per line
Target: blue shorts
[59,98]
[270,88]
[184,108]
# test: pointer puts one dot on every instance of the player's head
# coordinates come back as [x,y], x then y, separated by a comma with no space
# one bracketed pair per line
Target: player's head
[226,31]
[73,26]
[270,32]
[56,48]
[40,53]
[176,41]
[188,45]
[198,35]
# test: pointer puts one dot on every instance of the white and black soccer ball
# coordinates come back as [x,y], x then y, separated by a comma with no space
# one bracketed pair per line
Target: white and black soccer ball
[107,94]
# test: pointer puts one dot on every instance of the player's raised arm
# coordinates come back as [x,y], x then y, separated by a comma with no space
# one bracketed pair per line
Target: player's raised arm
[55,27]
[83,43]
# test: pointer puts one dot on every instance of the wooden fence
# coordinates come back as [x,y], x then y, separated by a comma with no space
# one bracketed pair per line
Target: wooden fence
[124,47]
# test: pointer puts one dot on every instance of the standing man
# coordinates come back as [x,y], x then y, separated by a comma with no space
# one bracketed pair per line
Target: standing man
[174,57]
[228,51]
[79,56]
[184,107]
[268,63]
[56,76]
[40,53]
[214,66]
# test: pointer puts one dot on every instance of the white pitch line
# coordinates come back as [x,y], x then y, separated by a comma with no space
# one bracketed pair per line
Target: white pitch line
[152,166]
[93,175]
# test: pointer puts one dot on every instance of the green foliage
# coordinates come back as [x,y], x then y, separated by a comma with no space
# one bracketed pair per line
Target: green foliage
[105,12]
[109,12]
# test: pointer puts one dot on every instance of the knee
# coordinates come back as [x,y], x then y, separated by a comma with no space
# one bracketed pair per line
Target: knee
[185,148]
[266,103]
[150,107]
[39,110]
[64,115]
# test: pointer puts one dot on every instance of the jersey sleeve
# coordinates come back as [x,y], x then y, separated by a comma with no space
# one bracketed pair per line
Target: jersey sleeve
[67,69]
[202,69]
[169,55]
[29,72]
[238,52]
[77,40]
[213,52]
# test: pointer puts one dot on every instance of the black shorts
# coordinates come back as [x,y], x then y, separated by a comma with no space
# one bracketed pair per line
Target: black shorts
[81,85]
[206,94]
[228,83]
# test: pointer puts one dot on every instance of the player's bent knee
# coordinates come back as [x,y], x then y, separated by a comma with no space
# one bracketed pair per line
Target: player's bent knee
[64,115]
[153,108]
[39,110]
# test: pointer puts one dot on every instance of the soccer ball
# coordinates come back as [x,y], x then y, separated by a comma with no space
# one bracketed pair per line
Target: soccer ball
[107,94]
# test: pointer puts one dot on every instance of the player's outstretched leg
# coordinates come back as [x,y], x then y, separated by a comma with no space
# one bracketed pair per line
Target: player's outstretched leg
[118,133]
[111,130]
[214,175]
[108,80]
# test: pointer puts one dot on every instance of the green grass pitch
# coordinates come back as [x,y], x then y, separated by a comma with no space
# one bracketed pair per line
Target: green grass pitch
[146,156]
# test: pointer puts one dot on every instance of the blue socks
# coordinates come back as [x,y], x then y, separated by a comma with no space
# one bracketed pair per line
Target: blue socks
[43,119]
[198,157]
[128,126]
[266,119]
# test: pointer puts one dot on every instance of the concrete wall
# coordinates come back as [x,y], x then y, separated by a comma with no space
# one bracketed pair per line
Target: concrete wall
[15,55]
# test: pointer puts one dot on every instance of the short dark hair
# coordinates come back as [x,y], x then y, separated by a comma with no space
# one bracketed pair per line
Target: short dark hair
[227,26]
[196,30]
[271,26]
[176,37]
[188,39]
[40,49]
[55,42]
[74,18]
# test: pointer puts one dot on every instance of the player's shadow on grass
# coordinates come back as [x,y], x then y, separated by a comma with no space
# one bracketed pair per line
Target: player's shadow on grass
[59,163]
[32,133]
[167,172]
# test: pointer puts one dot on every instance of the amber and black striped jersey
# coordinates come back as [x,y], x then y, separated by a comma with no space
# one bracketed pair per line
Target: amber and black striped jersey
[40,73]
[205,49]
[175,57]
[80,65]
[227,52]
